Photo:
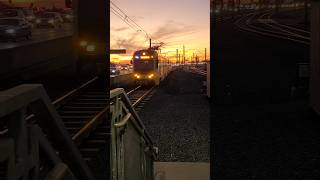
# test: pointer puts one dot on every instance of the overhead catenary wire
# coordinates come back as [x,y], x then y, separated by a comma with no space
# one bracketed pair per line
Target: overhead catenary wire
[117,11]
[128,19]
[119,16]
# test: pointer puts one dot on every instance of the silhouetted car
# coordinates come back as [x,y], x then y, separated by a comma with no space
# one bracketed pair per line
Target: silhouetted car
[17,13]
[67,16]
[49,19]
[114,70]
[124,67]
[29,15]
[14,28]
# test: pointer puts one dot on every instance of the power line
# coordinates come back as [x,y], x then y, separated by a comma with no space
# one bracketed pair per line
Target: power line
[119,16]
[127,18]
[115,9]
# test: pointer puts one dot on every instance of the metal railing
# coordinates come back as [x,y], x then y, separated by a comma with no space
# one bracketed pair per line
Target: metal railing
[132,149]
[21,145]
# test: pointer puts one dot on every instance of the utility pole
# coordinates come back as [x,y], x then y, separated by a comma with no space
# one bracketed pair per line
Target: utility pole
[205,54]
[177,52]
[192,60]
[184,55]
[150,44]
[179,59]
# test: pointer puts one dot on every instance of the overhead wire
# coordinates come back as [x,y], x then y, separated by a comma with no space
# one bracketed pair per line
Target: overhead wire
[116,10]
[127,18]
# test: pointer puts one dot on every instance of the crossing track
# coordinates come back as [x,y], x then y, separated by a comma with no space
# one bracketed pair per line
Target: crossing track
[262,23]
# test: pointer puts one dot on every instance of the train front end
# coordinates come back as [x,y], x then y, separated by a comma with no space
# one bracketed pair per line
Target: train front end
[145,67]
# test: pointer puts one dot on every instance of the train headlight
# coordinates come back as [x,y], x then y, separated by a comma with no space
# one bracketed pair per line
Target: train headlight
[150,76]
[137,76]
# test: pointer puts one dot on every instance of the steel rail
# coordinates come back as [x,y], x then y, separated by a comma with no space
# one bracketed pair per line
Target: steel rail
[282,29]
[133,90]
[143,96]
[250,28]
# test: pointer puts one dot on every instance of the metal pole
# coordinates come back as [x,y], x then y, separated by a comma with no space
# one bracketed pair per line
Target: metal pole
[184,55]
[177,52]
[205,54]
[150,44]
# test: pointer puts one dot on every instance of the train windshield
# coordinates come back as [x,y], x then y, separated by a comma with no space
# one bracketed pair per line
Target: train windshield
[144,65]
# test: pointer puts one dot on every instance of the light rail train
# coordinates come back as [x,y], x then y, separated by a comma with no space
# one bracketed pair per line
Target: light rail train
[149,66]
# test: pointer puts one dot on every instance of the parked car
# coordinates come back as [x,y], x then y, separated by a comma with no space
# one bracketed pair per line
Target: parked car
[49,19]
[14,28]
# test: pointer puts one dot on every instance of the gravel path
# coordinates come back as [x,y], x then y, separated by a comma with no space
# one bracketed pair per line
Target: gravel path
[178,119]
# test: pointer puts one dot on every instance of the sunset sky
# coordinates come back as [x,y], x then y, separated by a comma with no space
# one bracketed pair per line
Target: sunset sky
[174,22]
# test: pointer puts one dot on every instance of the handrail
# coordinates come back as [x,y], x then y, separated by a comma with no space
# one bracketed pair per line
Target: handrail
[16,99]
[120,92]
[91,124]
[124,121]
[60,100]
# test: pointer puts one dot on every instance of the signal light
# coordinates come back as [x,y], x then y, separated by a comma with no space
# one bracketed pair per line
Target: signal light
[83,43]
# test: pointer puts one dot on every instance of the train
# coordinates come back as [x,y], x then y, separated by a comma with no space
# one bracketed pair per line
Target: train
[149,66]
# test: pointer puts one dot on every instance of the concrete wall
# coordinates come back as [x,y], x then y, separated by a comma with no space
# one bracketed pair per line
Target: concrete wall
[315,56]
[35,59]
[121,80]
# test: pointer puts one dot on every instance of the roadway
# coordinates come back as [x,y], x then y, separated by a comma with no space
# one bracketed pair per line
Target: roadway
[39,35]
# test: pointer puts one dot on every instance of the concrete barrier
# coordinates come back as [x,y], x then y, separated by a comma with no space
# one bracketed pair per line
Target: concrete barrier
[121,80]
[32,60]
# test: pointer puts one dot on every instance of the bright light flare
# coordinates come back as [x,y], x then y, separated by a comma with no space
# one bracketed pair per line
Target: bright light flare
[91,48]
[151,76]
[83,43]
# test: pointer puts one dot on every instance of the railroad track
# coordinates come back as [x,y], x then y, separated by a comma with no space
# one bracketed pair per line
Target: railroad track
[262,23]
[139,96]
